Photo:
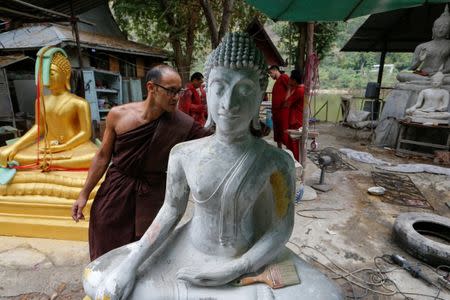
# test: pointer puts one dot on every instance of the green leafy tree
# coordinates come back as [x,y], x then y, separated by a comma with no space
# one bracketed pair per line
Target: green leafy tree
[324,36]
[355,69]
[183,27]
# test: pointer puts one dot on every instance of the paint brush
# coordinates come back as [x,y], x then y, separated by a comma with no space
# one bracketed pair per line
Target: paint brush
[275,275]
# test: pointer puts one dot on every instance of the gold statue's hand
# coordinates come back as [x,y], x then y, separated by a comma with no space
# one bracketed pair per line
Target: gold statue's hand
[77,208]
[7,154]
[53,149]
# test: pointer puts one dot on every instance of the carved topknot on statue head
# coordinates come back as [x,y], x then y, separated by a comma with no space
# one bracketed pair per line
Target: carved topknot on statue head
[48,56]
[63,64]
[238,51]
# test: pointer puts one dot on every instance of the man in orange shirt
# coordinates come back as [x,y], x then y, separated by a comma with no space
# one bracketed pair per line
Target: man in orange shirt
[280,109]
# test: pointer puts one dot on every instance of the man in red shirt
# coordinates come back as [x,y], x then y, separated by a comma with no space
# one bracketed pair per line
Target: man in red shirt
[295,99]
[192,102]
[280,109]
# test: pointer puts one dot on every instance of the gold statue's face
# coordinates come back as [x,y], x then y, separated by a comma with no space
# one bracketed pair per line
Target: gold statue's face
[57,78]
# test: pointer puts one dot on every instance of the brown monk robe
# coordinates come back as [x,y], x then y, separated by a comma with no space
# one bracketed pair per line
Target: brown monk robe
[134,187]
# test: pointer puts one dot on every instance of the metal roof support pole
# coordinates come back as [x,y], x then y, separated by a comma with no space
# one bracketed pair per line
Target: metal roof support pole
[381,68]
[74,23]
[5,77]
[309,51]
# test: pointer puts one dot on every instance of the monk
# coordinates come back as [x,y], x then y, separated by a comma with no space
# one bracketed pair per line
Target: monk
[138,137]
[280,111]
[294,102]
[192,100]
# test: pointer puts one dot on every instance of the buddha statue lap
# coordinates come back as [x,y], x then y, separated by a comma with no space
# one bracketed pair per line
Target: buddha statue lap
[432,56]
[243,191]
[64,152]
[432,104]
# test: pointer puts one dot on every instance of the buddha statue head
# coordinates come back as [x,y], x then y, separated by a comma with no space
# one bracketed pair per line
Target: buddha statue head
[54,68]
[236,80]
[441,27]
[436,79]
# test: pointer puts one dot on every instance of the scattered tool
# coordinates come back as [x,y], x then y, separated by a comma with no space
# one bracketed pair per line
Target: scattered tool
[276,276]
[415,271]
[445,281]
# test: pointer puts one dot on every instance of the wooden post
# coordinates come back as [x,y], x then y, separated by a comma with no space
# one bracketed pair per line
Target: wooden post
[304,140]
[301,46]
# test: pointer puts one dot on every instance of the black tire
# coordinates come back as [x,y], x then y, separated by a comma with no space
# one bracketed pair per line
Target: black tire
[407,228]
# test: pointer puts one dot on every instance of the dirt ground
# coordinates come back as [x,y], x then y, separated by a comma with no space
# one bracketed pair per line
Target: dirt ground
[343,232]
[348,228]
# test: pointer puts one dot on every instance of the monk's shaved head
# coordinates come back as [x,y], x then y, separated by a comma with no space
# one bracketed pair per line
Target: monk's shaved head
[156,73]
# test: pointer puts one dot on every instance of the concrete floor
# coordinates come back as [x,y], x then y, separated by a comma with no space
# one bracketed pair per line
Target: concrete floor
[343,228]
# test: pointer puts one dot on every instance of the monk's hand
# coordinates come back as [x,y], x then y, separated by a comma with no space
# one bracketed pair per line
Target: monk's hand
[77,208]
[118,285]
[215,275]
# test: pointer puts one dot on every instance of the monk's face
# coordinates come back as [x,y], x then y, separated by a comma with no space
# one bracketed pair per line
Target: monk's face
[233,98]
[273,73]
[167,92]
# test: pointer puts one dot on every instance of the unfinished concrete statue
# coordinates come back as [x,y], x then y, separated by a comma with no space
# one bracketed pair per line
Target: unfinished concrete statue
[243,191]
[432,104]
[429,57]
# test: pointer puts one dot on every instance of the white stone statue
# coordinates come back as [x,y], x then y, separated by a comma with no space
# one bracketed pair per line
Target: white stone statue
[243,191]
[432,104]
[429,57]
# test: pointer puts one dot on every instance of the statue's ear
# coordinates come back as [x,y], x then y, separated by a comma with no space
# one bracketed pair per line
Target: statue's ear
[209,121]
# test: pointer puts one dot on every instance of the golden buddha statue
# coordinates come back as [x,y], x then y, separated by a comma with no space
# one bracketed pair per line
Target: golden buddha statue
[53,158]
[64,121]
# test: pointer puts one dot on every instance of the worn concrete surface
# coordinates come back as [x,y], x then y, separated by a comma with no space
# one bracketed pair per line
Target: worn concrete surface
[346,224]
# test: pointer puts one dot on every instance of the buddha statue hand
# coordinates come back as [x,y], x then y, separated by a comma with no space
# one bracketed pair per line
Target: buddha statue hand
[53,149]
[215,275]
[7,154]
[118,285]
[410,110]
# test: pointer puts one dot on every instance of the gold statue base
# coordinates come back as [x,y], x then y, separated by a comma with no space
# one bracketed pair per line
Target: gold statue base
[38,204]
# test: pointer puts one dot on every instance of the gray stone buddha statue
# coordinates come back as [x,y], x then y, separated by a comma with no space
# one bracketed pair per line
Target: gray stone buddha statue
[432,104]
[243,191]
[429,57]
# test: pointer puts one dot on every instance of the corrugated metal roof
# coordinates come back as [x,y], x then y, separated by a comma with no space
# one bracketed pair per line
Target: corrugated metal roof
[11,59]
[37,36]
[33,15]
